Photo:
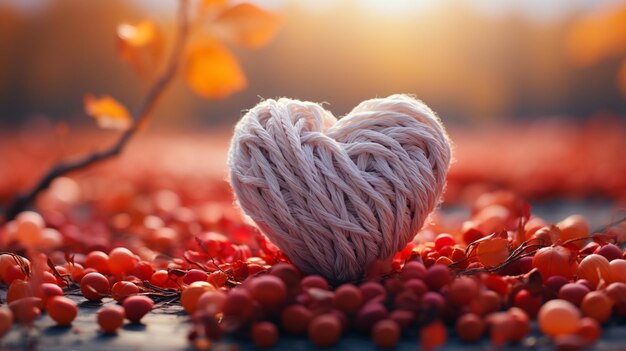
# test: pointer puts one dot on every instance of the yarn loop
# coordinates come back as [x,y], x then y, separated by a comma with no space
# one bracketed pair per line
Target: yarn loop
[335,195]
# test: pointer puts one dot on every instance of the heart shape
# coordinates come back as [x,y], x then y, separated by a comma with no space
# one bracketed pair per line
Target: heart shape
[335,195]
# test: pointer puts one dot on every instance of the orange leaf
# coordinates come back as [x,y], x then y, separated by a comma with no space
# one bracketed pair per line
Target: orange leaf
[214,72]
[247,25]
[141,45]
[109,113]
[598,37]
[492,252]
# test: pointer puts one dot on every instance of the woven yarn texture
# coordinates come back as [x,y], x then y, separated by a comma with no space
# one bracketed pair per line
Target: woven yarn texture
[335,195]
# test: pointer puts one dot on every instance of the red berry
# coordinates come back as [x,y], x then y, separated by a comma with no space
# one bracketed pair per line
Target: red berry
[239,304]
[573,293]
[94,286]
[528,302]
[386,333]
[264,334]
[110,318]
[288,273]
[6,320]
[324,330]
[462,291]
[348,298]
[123,289]
[403,318]
[589,329]
[432,304]
[373,292]
[556,282]
[269,290]
[610,252]
[470,327]
[369,315]
[194,275]
[136,307]
[442,240]
[437,276]
[295,319]
[413,269]
[62,310]
[12,273]
[314,281]
[97,260]
[26,309]
[49,290]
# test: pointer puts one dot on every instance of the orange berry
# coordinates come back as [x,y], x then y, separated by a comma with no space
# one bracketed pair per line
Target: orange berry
[121,261]
[558,317]
[19,289]
[589,329]
[618,270]
[574,227]
[159,278]
[97,260]
[28,228]
[594,268]
[191,294]
[211,301]
[597,305]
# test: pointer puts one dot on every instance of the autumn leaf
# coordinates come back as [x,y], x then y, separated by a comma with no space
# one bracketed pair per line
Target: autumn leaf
[141,45]
[212,71]
[107,112]
[593,39]
[492,252]
[247,25]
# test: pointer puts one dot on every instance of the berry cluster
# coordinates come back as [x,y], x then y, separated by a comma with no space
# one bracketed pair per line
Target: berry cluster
[487,277]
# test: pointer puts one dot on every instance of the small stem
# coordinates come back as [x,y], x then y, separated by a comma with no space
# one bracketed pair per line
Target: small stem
[609,225]
[141,116]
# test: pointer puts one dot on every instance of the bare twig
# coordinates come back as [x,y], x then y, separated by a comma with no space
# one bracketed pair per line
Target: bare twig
[141,115]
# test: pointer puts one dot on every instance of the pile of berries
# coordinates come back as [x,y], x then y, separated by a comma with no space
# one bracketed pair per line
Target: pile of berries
[485,278]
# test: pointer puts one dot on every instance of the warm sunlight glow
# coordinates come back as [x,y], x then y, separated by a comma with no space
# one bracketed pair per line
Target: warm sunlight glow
[399,7]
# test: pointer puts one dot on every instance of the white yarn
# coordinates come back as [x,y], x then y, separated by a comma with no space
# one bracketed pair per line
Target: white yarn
[335,195]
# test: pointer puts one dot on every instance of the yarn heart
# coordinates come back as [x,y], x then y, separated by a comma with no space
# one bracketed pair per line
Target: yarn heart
[335,195]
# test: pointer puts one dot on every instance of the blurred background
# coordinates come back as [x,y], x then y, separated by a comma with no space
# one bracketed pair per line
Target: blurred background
[472,60]
[533,92]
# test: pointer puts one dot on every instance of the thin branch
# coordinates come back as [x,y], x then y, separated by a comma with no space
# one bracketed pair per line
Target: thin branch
[140,117]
